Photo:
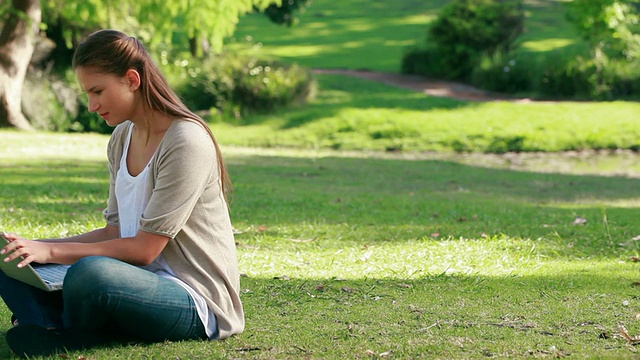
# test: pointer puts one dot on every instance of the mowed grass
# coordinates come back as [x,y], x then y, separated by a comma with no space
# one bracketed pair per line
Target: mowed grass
[357,114]
[358,256]
[386,249]
[375,34]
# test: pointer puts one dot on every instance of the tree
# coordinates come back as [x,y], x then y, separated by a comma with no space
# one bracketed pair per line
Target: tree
[153,21]
[609,26]
[284,14]
[611,29]
[16,47]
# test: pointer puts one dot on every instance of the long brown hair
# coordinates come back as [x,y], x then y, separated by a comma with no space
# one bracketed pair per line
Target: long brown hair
[114,52]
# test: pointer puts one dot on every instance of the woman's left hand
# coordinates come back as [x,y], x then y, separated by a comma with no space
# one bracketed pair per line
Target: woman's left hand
[29,250]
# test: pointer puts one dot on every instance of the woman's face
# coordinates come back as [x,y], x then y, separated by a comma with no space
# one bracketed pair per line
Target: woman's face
[113,98]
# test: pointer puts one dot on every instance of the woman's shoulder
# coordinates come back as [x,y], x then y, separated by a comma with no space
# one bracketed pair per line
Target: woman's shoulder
[188,129]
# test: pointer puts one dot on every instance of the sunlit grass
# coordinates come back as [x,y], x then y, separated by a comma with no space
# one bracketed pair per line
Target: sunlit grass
[355,114]
[405,255]
[340,35]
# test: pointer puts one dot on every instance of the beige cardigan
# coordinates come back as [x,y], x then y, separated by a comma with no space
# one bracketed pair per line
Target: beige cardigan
[186,204]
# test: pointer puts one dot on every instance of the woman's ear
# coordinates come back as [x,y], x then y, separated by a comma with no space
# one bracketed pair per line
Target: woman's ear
[133,77]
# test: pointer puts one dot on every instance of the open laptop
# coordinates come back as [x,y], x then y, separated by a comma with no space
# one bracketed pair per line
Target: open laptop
[47,277]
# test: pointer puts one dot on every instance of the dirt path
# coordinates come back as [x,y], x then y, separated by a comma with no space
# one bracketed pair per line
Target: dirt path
[437,88]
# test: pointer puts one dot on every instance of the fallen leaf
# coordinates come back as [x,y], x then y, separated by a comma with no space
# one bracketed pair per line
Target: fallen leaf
[579,221]
[633,340]
[435,235]
[384,354]
[635,258]
[370,353]
[347,289]
[262,228]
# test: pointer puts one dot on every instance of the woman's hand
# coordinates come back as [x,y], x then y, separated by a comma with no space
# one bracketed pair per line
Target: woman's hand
[29,250]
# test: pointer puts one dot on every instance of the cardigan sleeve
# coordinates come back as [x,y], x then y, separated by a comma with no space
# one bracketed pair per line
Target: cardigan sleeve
[185,164]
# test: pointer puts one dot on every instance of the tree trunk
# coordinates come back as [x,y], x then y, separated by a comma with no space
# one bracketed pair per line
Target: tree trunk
[16,47]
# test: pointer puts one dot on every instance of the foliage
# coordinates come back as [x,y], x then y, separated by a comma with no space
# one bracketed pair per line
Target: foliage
[506,73]
[51,103]
[466,29]
[611,27]
[583,78]
[155,22]
[239,85]
[283,14]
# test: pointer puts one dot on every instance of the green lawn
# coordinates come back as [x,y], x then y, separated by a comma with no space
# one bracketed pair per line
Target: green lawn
[356,114]
[374,34]
[353,255]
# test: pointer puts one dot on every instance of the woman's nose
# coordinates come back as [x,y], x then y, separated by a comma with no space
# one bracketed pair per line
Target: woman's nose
[93,105]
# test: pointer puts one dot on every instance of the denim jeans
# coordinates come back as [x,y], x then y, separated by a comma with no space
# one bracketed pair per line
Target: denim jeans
[108,296]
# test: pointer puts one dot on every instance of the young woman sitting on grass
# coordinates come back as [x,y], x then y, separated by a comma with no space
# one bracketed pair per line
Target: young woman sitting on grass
[164,267]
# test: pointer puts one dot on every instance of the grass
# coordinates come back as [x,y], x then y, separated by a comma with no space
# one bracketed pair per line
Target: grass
[380,253]
[357,114]
[359,256]
[375,34]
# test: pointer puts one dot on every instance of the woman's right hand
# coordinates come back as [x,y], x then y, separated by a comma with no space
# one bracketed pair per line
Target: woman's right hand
[29,250]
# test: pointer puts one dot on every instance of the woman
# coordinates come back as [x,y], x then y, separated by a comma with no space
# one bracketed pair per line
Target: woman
[164,267]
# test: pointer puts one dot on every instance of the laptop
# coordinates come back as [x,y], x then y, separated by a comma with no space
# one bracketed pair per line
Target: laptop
[48,277]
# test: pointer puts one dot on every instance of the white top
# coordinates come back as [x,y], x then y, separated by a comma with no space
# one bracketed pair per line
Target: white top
[131,194]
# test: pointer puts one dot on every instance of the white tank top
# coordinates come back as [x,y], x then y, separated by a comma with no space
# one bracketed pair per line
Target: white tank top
[131,196]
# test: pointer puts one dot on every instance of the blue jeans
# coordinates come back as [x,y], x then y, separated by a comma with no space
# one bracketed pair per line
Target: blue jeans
[110,297]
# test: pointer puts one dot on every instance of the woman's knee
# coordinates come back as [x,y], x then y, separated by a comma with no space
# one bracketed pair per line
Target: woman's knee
[91,273]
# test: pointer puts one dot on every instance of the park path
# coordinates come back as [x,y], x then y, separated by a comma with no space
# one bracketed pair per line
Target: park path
[437,88]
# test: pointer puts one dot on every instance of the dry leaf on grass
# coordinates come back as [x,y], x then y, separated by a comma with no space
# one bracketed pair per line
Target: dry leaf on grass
[633,340]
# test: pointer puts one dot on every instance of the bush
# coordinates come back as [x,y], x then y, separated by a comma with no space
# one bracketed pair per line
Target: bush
[580,78]
[505,73]
[45,107]
[466,29]
[237,84]
[426,62]
[265,86]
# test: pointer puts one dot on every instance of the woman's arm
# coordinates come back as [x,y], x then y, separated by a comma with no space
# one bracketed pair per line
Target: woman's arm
[141,249]
[106,233]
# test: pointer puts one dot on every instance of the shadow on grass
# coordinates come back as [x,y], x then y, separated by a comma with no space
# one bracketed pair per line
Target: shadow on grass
[345,93]
[380,200]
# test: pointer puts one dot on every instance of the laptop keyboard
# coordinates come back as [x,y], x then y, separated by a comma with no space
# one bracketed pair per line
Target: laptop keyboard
[52,273]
